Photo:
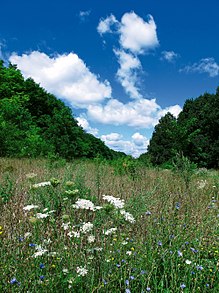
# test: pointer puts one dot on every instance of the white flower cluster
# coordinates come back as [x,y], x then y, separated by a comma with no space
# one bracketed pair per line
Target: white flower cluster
[128,217]
[86,228]
[117,202]
[81,271]
[86,205]
[41,216]
[30,207]
[201,184]
[110,231]
[74,234]
[41,184]
[91,238]
[40,251]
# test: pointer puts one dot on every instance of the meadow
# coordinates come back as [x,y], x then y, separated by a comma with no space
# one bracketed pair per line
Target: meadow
[96,226]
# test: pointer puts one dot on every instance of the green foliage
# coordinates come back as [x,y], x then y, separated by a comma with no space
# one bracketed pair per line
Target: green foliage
[35,123]
[195,133]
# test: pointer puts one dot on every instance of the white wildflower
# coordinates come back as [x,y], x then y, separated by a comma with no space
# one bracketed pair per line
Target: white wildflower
[41,216]
[110,231]
[201,184]
[30,207]
[27,234]
[98,248]
[65,271]
[117,202]
[39,253]
[85,204]
[91,238]
[128,252]
[188,262]
[81,271]
[128,217]
[73,234]
[65,226]
[41,184]
[87,227]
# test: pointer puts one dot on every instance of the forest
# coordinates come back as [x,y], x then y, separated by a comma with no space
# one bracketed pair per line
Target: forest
[35,123]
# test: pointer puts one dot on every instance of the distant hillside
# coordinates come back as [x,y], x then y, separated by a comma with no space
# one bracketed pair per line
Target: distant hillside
[36,123]
[195,133]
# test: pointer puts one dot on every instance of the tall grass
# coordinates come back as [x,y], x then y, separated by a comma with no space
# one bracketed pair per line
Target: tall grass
[156,234]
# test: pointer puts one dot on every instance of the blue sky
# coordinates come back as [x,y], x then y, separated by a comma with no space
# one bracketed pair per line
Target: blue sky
[120,65]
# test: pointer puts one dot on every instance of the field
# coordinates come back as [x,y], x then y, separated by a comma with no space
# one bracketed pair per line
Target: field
[95,226]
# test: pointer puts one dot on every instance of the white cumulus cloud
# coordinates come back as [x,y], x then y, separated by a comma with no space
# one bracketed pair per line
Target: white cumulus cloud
[105,25]
[127,74]
[141,113]
[136,34]
[205,65]
[135,146]
[66,76]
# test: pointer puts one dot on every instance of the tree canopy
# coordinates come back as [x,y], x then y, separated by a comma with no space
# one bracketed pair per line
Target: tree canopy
[195,133]
[34,122]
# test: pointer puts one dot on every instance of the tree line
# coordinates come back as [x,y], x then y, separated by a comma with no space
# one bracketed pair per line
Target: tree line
[35,123]
[194,134]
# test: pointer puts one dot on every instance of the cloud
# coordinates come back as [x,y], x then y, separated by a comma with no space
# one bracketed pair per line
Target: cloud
[126,74]
[169,56]
[66,76]
[137,35]
[135,146]
[83,15]
[205,65]
[105,25]
[82,121]
[141,113]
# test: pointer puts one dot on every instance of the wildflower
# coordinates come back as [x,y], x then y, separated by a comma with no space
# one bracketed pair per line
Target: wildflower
[42,266]
[142,272]
[65,271]
[32,245]
[42,278]
[127,291]
[110,231]
[87,227]
[81,271]
[128,216]
[177,206]
[1,230]
[73,233]
[188,262]
[179,253]
[117,202]
[86,205]
[148,213]
[128,252]
[193,250]
[41,184]
[200,268]
[148,289]
[159,243]
[182,286]
[41,216]
[30,207]
[91,239]
[65,226]
[132,277]
[14,281]
[118,265]
[201,184]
